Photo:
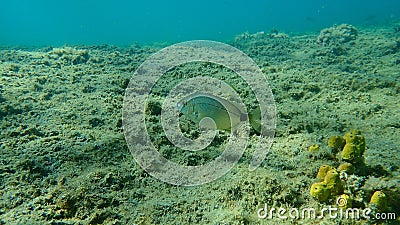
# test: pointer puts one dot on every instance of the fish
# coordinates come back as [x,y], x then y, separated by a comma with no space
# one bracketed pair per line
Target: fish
[198,106]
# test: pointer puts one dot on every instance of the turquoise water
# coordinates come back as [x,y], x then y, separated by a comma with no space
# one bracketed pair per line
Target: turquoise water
[49,22]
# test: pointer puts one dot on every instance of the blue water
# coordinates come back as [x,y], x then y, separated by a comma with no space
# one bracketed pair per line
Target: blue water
[117,22]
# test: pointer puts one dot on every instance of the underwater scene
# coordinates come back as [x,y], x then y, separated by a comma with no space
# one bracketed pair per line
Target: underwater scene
[203,112]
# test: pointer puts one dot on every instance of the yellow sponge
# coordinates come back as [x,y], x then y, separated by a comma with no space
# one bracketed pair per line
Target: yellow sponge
[336,143]
[333,182]
[319,191]
[323,170]
[354,147]
[379,199]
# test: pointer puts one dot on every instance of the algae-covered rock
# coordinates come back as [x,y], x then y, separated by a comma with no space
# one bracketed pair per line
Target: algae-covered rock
[69,55]
[337,34]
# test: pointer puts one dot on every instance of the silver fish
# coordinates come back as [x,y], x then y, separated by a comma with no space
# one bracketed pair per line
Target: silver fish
[198,106]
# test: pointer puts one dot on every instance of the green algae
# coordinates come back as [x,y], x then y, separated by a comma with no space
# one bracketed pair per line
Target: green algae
[65,160]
